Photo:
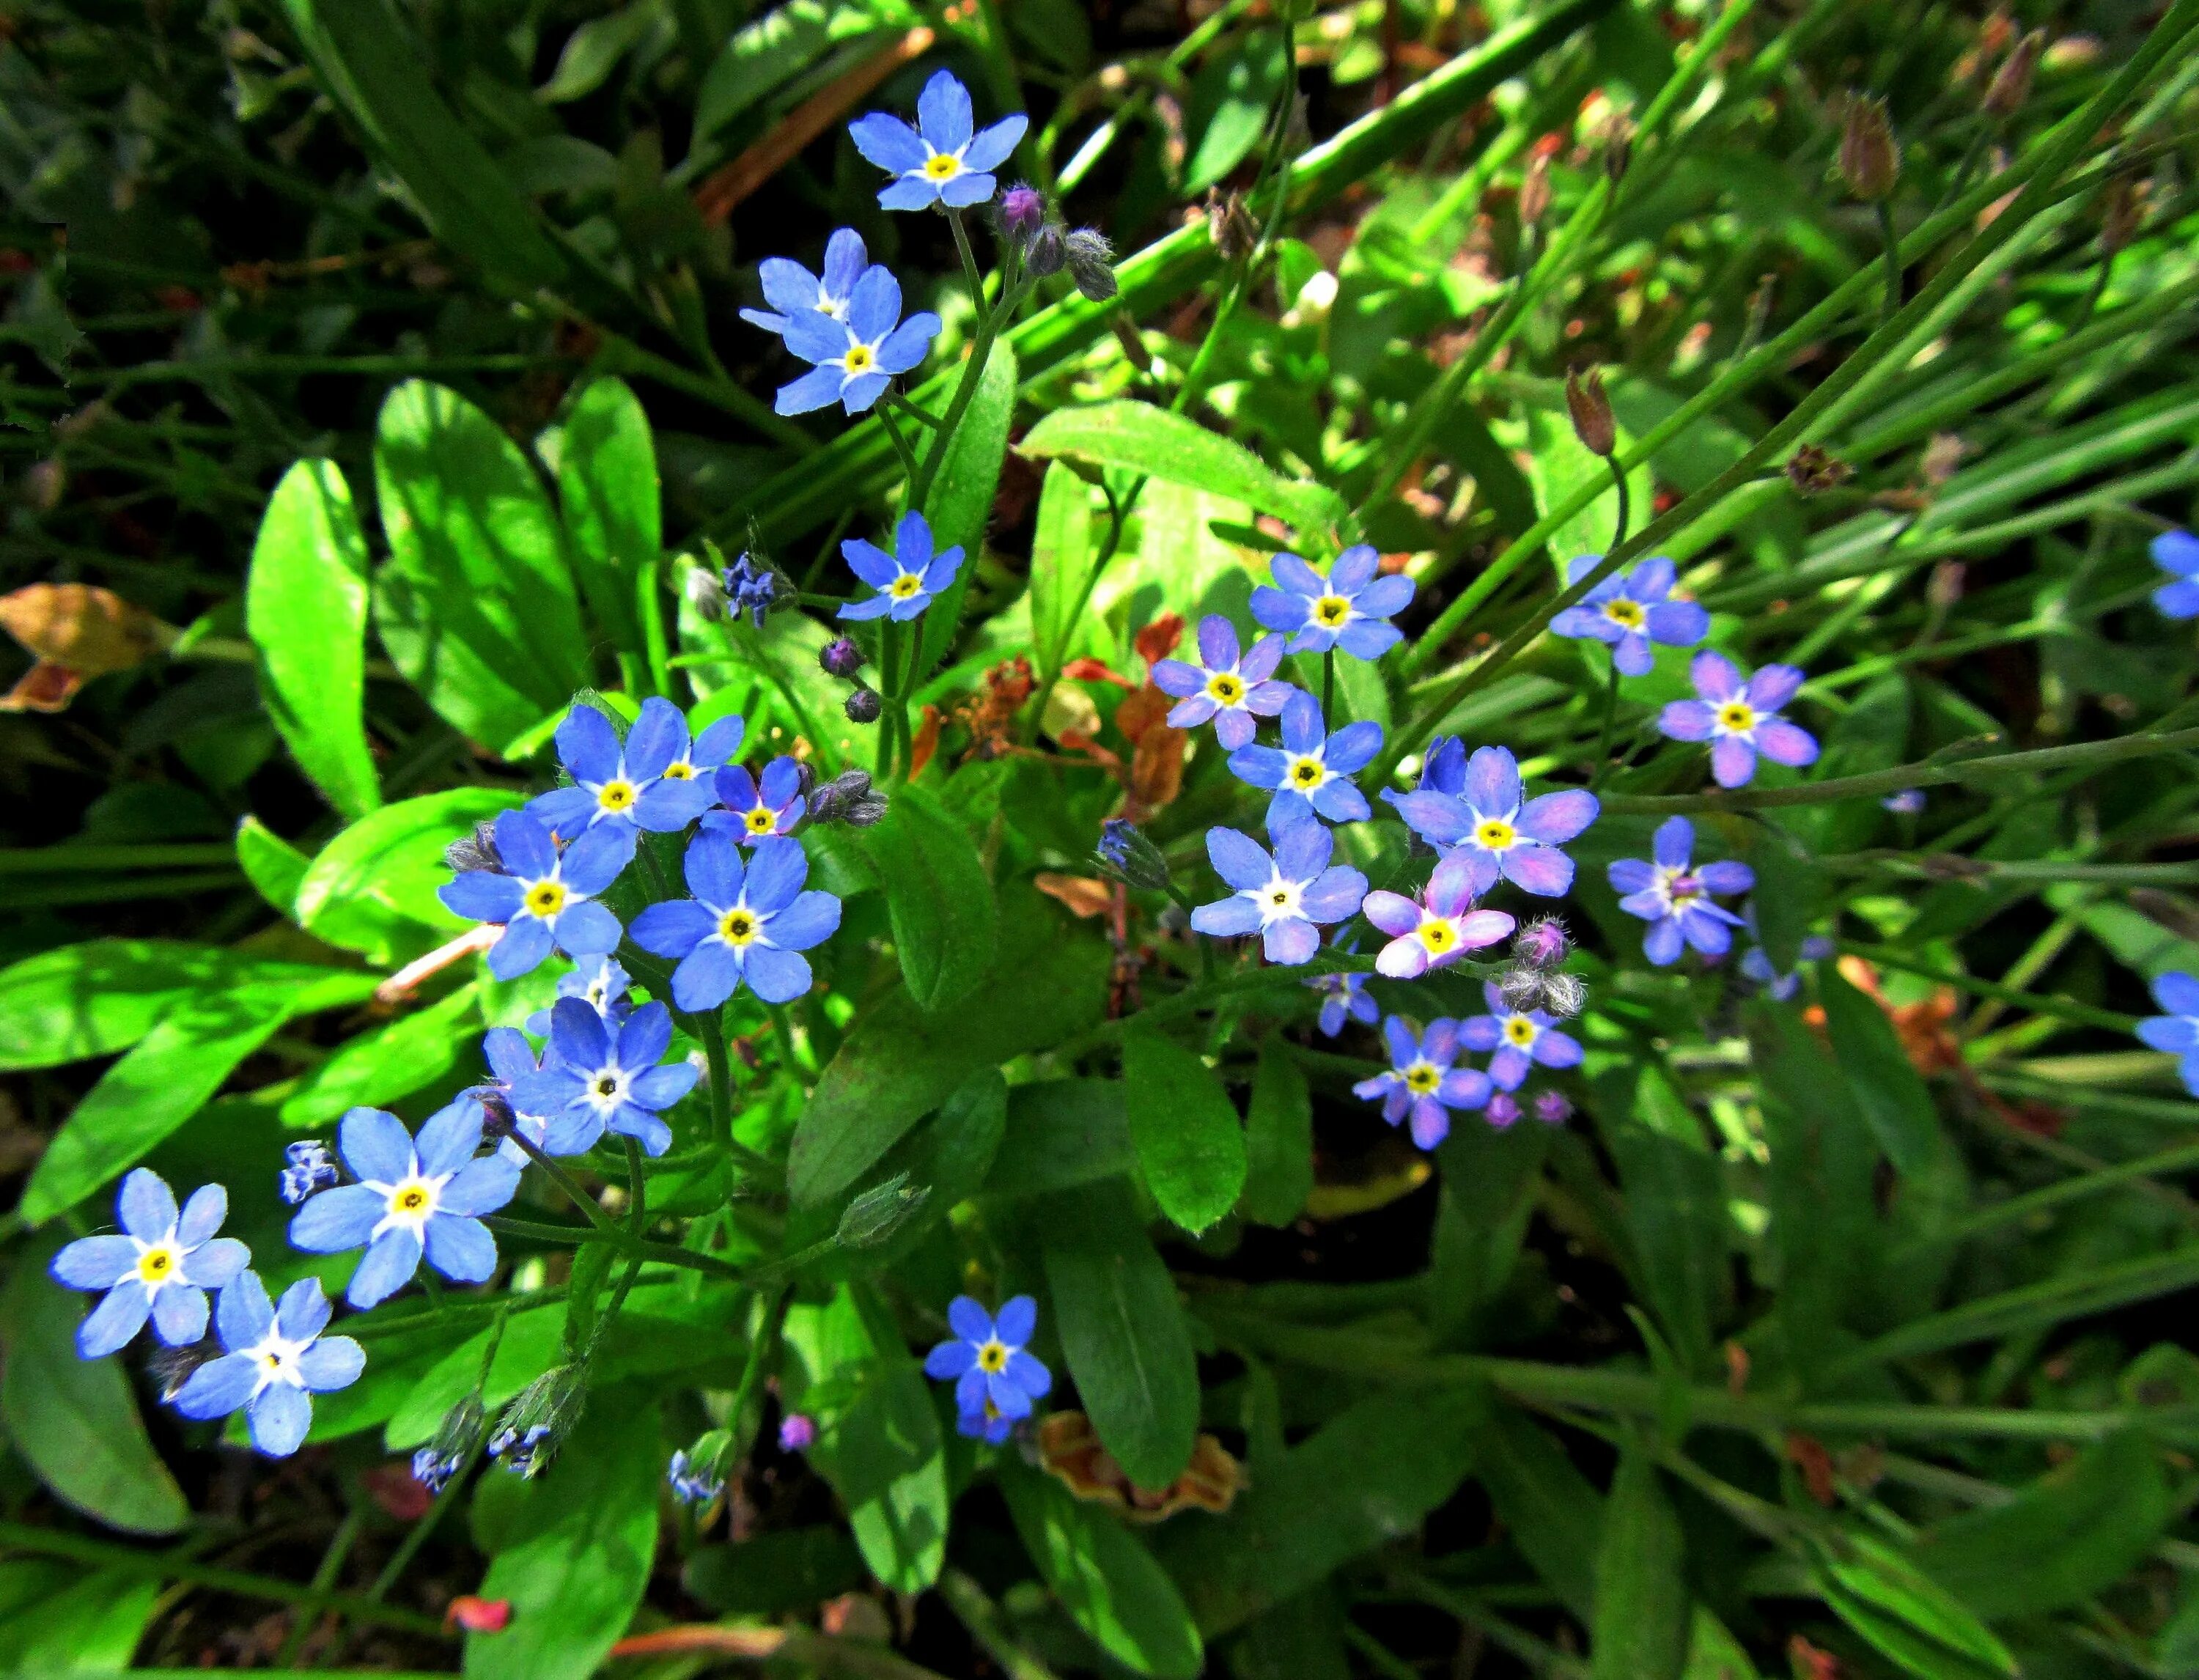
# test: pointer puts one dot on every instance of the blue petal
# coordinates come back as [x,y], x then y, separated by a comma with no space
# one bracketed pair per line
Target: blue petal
[375,1145]
[117,1317]
[218,1387]
[279,1416]
[451,1136]
[145,1206]
[337,1219]
[462,1250]
[391,1260]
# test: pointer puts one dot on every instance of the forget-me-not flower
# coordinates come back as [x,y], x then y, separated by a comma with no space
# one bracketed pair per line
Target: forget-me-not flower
[995,1380]
[944,160]
[1629,610]
[1477,809]
[597,1079]
[792,290]
[1311,772]
[412,1199]
[1422,1081]
[1280,900]
[1674,897]
[1437,929]
[1343,996]
[2177,1031]
[548,899]
[855,359]
[741,924]
[1522,1039]
[625,784]
[1739,719]
[1756,961]
[2177,553]
[600,981]
[906,578]
[159,1267]
[1231,689]
[1349,608]
[274,1360]
[306,1167]
[694,1481]
[755,809]
[510,1060]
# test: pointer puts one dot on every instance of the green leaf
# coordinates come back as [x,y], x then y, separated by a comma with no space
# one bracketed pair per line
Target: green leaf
[164,1080]
[607,485]
[949,1159]
[275,867]
[372,889]
[305,606]
[1676,1212]
[75,1421]
[1062,1133]
[961,497]
[1887,1087]
[91,1626]
[1061,559]
[476,604]
[578,1553]
[1122,1329]
[1190,1148]
[1906,1616]
[1105,1579]
[1554,1514]
[1713,1654]
[765,55]
[944,921]
[92,1000]
[1489,1179]
[1790,891]
[1641,1626]
[1138,437]
[1233,97]
[886,1459]
[1277,1138]
[376,1068]
[1558,463]
[593,52]
[775,1573]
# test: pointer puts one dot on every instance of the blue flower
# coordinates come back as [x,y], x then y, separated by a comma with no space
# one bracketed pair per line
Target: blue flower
[1522,1039]
[411,1200]
[740,925]
[595,1079]
[306,1167]
[856,358]
[548,898]
[752,587]
[1422,1081]
[1349,608]
[2177,552]
[1343,995]
[1629,610]
[1311,772]
[274,1360]
[633,784]
[1756,961]
[160,1267]
[940,161]
[1674,898]
[1739,719]
[995,1380]
[792,290]
[599,981]
[693,1482]
[511,1058]
[1476,808]
[2176,1032]
[755,809]
[1281,900]
[906,580]
[1231,689]
[1437,929]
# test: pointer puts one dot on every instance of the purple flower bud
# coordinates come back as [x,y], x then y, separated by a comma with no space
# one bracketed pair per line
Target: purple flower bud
[862,707]
[1503,1110]
[841,657]
[1543,943]
[1022,212]
[1048,251]
[797,1432]
[1552,1109]
[1091,262]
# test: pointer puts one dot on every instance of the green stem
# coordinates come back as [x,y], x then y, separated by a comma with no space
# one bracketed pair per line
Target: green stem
[1601,764]
[754,1368]
[564,1181]
[899,445]
[1329,687]
[662,1254]
[720,1075]
[2062,1009]
[1117,514]
[324,1576]
[1889,238]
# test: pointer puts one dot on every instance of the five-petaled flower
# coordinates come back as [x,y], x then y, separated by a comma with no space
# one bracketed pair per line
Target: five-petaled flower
[792,290]
[1674,898]
[1422,1081]
[159,1267]
[625,784]
[596,1078]
[1349,608]
[1629,610]
[1437,929]
[1476,808]
[854,358]
[412,1199]
[995,1380]
[740,924]
[274,1360]
[1231,689]
[755,809]
[2177,553]
[1522,1039]
[548,898]
[906,578]
[2177,1031]
[1739,719]
[1280,900]
[941,161]
[1311,772]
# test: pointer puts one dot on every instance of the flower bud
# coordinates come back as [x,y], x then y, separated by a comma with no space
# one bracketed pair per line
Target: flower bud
[1091,262]
[754,586]
[309,1169]
[1502,1111]
[476,854]
[1543,943]
[1812,470]
[841,657]
[1564,995]
[848,799]
[1048,251]
[2011,83]
[530,1429]
[697,1475]
[797,1432]
[1593,422]
[1535,191]
[706,594]
[1870,162]
[1124,851]
[1552,1109]
[1230,225]
[456,1438]
[1022,212]
[879,1212]
[863,706]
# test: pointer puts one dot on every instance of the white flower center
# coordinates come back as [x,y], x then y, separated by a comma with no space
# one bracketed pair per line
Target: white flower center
[545,898]
[740,926]
[1331,612]
[1306,772]
[942,166]
[617,795]
[992,1354]
[606,1089]
[410,1203]
[1278,900]
[1626,614]
[1437,933]
[1493,834]
[274,1359]
[1225,688]
[907,583]
[859,359]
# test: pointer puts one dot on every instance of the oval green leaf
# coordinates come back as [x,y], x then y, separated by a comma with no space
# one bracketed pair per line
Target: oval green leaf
[1190,1146]
[940,903]
[607,484]
[1106,1579]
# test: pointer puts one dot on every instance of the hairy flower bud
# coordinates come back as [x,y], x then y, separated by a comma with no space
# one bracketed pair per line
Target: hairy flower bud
[1543,943]
[841,657]
[863,706]
[1502,1111]
[1124,851]
[1048,251]
[879,1212]
[2011,83]
[797,1432]
[1229,225]
[848,799]
[1563,995]
[1593,422]
[456,1438]
[697,1474]
[1552,1109]
[476,854]
[1812,470]
[1022,212]
[530,1429]
[1091,262]
[1870,162]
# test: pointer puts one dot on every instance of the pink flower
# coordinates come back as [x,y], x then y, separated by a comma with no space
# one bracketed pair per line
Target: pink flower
[1437,928]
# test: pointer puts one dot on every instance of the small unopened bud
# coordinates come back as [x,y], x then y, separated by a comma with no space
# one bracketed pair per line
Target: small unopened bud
[848,799]
[2011,83]
[862,706]
[1552,1109]
[476,854]
[1813,469]
[698,1473]
[1502,1111]
[1048,251]
[1124,850]
[707,595]
[2120,216]
[1230,225]
[456,1437]
[1543,943]
[1617,149]
[841,657]
[1535,192]
[797,1432]
[877,1213]
[1593,423]
[1022,212]
[1870,163]
[530,1429]
[1907,803]
[1563,995]
[308,1168]
[1091,261]
[753,586]
[1942,456]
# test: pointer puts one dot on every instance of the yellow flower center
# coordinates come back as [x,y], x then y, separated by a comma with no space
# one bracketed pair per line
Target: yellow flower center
[993,1355]
[942,167]
[1437,936]
[1496,835]
[1226,690]
[907,583]
[1737,717]
[1307,773]
[411,1199]
[858,358]
[616,795]
[1332,611]
[761,820]
[1279,898]
[1519,1030]
[680,772]
[1422,1077]
[271,1362]
[738,926]
[1626,614]
[155,1264]
[546,898]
